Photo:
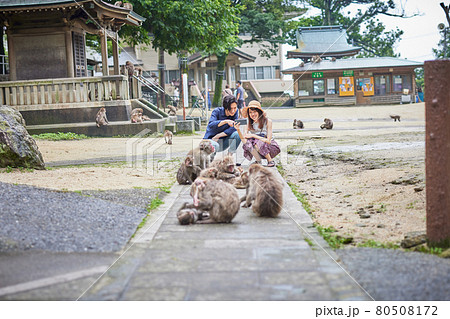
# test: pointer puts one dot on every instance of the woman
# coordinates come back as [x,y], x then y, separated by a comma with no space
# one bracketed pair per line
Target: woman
[257,139]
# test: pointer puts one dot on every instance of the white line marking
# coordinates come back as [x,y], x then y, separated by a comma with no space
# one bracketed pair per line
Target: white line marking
[44,282]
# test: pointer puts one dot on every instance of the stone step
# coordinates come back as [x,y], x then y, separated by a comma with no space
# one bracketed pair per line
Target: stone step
[116,128]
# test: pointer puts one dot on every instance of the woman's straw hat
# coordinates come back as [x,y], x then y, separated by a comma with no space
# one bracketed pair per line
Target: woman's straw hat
[252,105]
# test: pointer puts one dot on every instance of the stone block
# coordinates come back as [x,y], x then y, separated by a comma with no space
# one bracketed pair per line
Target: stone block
[185,126]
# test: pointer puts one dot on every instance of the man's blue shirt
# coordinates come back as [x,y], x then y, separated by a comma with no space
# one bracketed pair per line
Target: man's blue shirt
[240,90]
[217,116]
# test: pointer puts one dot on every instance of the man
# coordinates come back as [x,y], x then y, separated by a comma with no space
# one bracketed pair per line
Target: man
[240,97]
[221,126]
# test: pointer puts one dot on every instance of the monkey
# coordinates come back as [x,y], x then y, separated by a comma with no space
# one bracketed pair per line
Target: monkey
[226,169]
[298,124]
[146,118]
[242,181]
[316,59]
[118,3]
[333,59]
[395,117]
[187,172]
[127,5]
[168,135]
[210,172]
[101,119]
[136,115]
[215,197]
[301,64]
[328,124]
[129,67]
[264,192]
[201,154]
[172,110]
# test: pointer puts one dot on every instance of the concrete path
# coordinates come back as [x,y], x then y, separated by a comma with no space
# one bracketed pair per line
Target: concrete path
[250,259]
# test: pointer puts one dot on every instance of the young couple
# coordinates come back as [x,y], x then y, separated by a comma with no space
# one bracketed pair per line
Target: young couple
[257,139]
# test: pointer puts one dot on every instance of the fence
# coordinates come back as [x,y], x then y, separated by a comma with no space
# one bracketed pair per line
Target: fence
[65,90]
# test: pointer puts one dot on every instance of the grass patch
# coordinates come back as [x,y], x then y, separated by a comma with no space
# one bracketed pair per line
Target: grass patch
[309,241]
[301,198]
[428,250]
[165,189]
[375,244]
[333,240]
[60,136]
[155,203]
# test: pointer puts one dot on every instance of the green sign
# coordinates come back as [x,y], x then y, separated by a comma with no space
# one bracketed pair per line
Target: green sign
[348,73]
[316,75]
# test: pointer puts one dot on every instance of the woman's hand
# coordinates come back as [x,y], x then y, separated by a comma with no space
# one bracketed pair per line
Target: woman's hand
[250,135]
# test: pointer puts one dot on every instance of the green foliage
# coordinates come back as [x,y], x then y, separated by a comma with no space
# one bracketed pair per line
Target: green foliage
[180,26]
[363,29]
[60,136]
[165,189]
[420,80]
[155,203]
[443,52]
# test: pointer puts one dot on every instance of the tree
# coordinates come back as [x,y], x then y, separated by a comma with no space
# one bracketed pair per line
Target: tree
[444,44]
[265,23]
[183,27]
[363,29]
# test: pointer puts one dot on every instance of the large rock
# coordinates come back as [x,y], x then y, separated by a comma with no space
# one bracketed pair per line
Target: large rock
[17,147]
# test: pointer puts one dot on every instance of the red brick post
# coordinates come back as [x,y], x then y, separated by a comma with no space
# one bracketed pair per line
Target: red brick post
[437,115]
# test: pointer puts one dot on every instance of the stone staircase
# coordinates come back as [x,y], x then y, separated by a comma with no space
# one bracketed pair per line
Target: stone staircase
[80,119]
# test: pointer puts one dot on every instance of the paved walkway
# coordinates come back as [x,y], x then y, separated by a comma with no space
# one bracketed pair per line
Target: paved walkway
[250,259]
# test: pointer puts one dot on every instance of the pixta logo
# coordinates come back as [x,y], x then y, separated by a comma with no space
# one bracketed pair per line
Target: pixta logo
[148,154]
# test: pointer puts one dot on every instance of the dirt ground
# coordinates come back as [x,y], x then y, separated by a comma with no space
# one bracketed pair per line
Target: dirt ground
[365,178]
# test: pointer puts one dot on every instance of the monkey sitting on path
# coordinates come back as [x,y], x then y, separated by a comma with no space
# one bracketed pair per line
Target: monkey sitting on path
[187,172]
[202,154]
[264,192]
[101,119]
[226,169]
[395,117]
[328,124]
[297,124]
[242,181]
[215,197]
[168,135]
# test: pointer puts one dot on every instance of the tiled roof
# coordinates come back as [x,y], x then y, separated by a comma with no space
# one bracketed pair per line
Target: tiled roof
[26,3]
[327,40]
[350,64]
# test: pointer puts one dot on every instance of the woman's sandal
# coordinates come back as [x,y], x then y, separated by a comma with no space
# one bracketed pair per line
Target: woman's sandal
[271,164]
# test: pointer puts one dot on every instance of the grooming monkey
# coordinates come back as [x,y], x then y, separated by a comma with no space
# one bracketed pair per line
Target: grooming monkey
[210,172]
[297,124]
[328,124]
[101,119]
[242,181]
[226,169]
[264,192]
[395,117]
[187,172]
[168,135]
[202,153]
[215,197]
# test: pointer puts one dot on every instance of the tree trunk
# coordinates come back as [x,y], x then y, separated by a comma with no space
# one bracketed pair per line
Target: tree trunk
[183,69]
[221,59]
[161,68]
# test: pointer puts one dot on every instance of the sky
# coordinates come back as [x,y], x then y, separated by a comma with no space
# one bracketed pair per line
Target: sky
[420,35]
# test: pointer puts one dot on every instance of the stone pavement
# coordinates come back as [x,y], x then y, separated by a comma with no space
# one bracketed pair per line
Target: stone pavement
[250,259]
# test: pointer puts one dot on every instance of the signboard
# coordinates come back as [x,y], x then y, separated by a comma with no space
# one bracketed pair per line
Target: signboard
[316,75]
[346,86]
[347,73]
[366,85]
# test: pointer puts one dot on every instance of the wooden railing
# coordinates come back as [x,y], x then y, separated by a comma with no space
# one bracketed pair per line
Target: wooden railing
[65,90]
